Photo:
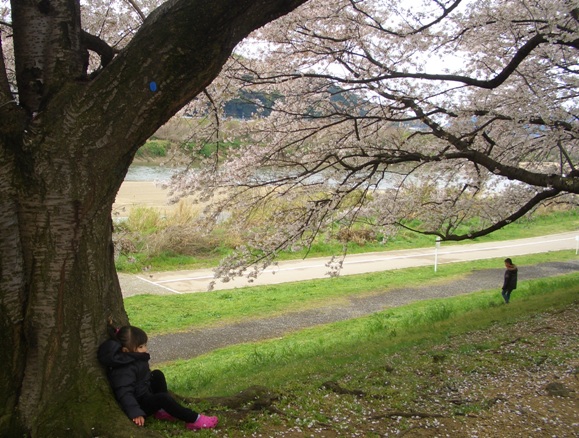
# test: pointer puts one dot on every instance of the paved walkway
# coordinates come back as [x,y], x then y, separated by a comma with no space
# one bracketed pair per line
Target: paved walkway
[187,345]
[180,282]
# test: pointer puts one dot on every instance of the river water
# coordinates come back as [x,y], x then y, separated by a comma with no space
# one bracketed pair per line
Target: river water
[141,172]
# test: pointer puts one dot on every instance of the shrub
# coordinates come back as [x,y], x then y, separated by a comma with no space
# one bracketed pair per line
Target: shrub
[154,148]
[145,220]
[360,237]
[181,239]
[123,245]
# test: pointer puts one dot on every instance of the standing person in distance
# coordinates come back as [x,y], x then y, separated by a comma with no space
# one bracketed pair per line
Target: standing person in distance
[140,391]
[510,282]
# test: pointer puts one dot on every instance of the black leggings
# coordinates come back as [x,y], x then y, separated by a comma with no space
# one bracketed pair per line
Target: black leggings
[161,399]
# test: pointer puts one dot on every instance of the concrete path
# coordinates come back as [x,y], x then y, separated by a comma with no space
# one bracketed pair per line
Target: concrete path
[178,282]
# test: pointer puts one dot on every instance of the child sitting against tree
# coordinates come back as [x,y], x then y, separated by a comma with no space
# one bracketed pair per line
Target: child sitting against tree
[140,391]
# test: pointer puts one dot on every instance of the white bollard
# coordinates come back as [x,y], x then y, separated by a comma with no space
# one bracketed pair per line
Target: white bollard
[437,246]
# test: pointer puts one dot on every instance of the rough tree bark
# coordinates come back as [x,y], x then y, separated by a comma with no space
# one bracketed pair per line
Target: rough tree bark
[66,142]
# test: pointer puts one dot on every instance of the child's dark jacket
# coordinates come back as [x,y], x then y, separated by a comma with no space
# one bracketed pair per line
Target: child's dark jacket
[129,375]
[510,282]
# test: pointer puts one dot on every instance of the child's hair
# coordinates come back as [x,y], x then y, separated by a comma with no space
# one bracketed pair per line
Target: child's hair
[509,261]
[129,336]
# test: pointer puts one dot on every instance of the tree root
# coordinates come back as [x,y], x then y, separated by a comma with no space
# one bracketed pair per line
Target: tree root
[406,415]
[335,387]
[254,398]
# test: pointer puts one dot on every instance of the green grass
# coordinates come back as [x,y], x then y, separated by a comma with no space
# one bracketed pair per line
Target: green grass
[334,351]
[536,225]
[393,355]
[184,312]
[154,148]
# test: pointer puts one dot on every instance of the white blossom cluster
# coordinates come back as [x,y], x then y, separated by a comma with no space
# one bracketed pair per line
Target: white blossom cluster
[452,118]
[448,117]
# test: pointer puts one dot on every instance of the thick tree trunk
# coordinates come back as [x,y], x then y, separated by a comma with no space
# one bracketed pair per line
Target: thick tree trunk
[59,289]
[11,296]
[64,152]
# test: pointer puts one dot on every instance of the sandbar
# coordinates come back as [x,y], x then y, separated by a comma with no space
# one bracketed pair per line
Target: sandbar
[140,194]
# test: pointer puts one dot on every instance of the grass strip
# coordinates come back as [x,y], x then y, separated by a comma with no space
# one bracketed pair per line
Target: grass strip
[185,312]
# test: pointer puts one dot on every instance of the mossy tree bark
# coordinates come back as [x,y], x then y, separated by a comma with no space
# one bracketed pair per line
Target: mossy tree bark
[66,143]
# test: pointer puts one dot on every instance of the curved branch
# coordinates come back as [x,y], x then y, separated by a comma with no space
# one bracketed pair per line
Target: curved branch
[137,9]
[5,93]
[445,13]
[166,65]
[377,25]
[498,80]
[536,200]
[569,183]
[522,53]
[99,46]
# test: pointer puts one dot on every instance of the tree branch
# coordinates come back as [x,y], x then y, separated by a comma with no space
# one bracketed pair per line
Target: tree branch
[99,46]
[39,30]
[137,9]
[536,200]
[5,93]
[522,53]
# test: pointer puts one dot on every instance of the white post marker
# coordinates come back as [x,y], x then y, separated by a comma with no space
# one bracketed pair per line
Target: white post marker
[437,246]
[577,247]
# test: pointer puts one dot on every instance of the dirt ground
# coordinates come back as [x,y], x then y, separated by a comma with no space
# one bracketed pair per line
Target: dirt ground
[540,400]
[533,393]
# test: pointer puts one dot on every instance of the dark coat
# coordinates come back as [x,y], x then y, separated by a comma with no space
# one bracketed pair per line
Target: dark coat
[129,375]
[510,282]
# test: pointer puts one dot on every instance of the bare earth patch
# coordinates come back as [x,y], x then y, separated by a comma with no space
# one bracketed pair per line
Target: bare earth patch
[535,395]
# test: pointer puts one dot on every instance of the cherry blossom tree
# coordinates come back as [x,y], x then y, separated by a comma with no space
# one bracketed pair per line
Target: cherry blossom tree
[449,117]
[82,86]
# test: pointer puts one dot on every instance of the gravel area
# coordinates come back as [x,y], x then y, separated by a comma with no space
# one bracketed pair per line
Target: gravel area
[186,345]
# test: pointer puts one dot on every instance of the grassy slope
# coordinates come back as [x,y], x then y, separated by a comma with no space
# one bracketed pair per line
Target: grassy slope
[392,355]
[324,349]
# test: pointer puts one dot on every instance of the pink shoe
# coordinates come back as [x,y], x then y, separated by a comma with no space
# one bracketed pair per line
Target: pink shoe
[162,415]
[203,422]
